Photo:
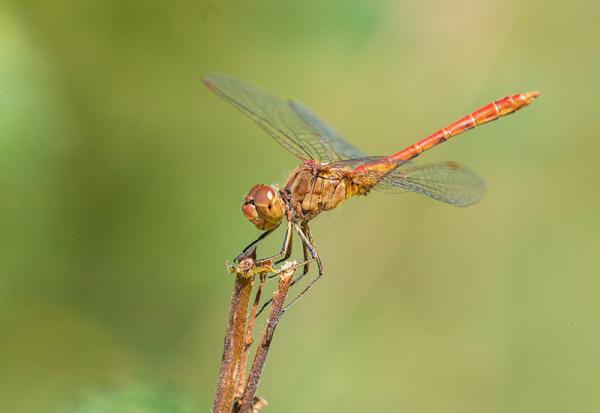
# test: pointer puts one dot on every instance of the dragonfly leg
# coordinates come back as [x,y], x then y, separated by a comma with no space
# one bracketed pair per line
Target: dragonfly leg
[286,248]
[308,249]
[310,245]
[256,241]
[300,264]
[306,253]
[288,251]
[314,256]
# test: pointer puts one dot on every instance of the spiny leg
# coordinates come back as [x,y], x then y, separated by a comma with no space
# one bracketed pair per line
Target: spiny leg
[306,253]
[300,264]
[308,248]
[286,248]
[305,263]
[288,251]
[315,256]
[256,241]
[310,245]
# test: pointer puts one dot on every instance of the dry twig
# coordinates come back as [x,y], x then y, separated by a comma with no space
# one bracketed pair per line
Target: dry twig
[249,402]
[233,344]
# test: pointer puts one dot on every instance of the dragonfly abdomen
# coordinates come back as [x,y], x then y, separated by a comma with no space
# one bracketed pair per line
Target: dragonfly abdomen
[487,113]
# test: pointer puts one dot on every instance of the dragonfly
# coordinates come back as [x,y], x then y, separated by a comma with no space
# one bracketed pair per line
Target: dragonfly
[333,170]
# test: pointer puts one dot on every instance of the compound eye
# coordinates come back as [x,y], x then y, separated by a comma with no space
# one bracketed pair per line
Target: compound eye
[263,207]
[264,197]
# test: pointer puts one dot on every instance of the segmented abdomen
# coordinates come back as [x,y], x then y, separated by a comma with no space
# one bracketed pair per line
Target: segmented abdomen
[487,113]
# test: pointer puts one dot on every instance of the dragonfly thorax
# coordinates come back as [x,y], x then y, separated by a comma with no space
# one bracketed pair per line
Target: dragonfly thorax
[315,189]
[264,207]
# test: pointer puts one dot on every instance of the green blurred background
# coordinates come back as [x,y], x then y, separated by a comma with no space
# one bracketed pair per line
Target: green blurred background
[121,178]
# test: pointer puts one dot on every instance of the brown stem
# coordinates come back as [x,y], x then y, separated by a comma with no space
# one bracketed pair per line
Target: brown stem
[241,372]
[249,401]
[233,344]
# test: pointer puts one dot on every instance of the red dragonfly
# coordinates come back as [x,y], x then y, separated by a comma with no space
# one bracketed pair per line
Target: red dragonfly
[334,170]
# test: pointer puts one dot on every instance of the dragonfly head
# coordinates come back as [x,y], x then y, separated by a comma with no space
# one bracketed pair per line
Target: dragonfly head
[263,207]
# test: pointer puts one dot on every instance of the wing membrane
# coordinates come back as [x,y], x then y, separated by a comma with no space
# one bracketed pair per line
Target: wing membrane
[449,182]
[329,137]
[291,124]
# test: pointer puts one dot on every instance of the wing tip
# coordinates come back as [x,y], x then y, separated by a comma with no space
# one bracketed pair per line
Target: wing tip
[208,82]
[469,202]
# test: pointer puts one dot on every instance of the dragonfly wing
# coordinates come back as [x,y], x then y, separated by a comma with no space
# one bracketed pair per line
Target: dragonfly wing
[275,115]
[449,182]
[339,146]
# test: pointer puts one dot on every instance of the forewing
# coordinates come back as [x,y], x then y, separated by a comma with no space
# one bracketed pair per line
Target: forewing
[449,182]
[275,115]
[363,160]
[338,145]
